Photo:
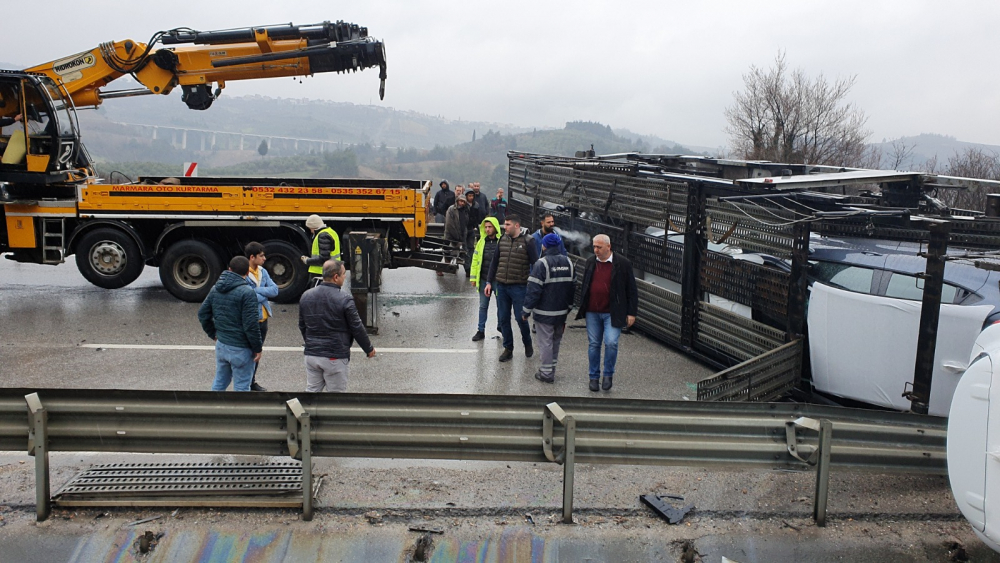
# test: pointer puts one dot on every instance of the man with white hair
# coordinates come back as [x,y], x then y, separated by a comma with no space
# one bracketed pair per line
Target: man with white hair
[609,302]
[325,246]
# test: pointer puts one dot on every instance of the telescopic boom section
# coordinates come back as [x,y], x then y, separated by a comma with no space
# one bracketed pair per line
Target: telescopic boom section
[198,60]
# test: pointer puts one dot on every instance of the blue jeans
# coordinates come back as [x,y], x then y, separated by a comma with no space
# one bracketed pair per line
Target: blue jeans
[512,295]
[484,307]
[599,330]
[232,364]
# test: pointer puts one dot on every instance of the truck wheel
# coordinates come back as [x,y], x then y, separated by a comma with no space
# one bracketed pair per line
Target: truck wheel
[286,269]
[109,258]
[189,269]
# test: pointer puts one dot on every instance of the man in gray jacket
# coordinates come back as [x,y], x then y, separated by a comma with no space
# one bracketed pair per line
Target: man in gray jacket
[329,322]
[456,223]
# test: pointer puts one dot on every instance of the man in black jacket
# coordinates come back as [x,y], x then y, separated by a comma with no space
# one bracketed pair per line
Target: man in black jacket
[329,322]
[610,303]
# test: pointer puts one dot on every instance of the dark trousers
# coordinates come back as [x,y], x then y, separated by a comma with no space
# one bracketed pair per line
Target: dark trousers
[263,335]
[470,249]
[510,296]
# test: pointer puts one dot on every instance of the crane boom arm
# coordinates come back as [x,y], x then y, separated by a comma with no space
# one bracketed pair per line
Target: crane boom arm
[197,60]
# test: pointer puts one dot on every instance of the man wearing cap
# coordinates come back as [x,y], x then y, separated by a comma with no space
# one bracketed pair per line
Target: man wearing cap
[443,200]
[456,222]
[325,246]
[549,297]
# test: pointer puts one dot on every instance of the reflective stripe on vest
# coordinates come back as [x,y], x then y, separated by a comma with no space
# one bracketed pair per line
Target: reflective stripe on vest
[334,255]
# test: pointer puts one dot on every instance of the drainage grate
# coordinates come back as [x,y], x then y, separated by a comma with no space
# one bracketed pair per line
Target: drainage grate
[185,484]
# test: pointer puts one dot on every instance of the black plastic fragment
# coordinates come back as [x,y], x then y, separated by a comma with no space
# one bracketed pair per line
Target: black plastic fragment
[667,511]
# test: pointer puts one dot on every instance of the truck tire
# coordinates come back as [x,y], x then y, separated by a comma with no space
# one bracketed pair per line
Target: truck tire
[189,269]
[109,258]
[286,270]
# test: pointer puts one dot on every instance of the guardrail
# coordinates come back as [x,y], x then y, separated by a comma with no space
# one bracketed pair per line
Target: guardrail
[469,427]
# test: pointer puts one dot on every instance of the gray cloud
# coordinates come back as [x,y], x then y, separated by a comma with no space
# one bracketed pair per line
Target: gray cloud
[667,68]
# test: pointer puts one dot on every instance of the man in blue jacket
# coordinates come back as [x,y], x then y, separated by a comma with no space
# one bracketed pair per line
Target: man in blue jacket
[260,281]
[551,288]
[229,315]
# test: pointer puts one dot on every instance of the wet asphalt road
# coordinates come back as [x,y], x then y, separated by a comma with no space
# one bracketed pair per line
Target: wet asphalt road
[59,331]
[55,324]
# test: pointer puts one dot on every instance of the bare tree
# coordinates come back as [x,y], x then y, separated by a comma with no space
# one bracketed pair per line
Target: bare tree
[973,163]
[900,152]
[783,116]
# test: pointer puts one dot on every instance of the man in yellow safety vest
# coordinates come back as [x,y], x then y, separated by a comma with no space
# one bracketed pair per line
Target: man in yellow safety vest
[325,246]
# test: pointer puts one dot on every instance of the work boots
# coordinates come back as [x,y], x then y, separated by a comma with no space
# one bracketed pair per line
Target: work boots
[478,336]
[595,385]
[508,353]
[544,379]
[606,384]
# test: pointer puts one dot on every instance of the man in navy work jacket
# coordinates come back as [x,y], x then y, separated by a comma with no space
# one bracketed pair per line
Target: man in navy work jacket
[229,315]
[610,303]
[551,288]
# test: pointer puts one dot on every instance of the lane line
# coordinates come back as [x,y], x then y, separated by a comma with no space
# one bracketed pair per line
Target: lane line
[277,348]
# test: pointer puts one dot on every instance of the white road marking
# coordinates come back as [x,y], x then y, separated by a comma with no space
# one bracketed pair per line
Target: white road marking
[276,348]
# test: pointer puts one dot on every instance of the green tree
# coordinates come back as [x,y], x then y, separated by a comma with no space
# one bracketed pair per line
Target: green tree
[340,164]
[262,148]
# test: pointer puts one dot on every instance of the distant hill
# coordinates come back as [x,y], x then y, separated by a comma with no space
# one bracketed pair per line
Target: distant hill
[343,123]
[926,147]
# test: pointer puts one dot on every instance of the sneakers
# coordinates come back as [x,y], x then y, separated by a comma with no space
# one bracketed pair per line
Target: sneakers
[478,336]
[595,385]
[605,384]
[508,353]
[257,387]
[543,379]
[529,351]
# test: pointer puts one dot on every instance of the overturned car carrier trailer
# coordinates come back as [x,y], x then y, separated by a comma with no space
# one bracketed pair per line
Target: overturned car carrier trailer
[721,248]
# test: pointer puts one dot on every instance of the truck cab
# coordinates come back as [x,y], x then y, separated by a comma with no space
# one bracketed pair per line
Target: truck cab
[39,138]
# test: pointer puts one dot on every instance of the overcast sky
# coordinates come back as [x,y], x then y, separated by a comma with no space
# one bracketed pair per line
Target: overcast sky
[665,68]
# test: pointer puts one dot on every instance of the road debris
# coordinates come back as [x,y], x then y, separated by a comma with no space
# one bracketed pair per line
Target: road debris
[667,511]
[426,528]
[374,517]
[143,521]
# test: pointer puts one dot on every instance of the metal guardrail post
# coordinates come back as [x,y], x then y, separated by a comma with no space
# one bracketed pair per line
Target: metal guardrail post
[300,447]
[38,446]
[567,457]
[823,472]
[820,457]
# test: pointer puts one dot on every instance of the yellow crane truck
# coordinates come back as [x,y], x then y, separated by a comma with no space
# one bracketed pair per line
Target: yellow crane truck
[53,205]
